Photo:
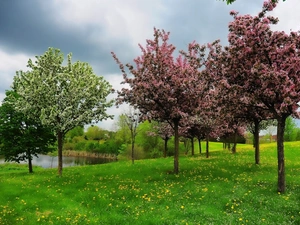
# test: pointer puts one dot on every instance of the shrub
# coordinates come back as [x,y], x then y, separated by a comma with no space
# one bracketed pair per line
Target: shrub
[90,146]
[80,146]
[78,139]
[156,153]
[69,146]
[139,153]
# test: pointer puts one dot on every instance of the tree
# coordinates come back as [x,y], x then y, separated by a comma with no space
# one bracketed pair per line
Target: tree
[63,97]
[290,129]
[95,133]
[123,132]
[22,138]
[254,128]
[132,120]
[230,98]
[75,132]
[265,68]
[197,130]
[148,139]
[165,131]
[162,88]
[196,127]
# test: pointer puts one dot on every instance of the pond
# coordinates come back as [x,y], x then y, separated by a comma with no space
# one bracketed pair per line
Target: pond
[47,161]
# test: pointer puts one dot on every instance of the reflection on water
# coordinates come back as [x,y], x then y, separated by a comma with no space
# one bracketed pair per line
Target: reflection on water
[47,161]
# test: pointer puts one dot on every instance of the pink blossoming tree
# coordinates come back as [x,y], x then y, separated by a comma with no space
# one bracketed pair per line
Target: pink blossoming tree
[163,88]
[265,67]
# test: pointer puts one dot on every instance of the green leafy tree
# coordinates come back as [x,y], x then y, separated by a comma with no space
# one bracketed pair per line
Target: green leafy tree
[63,97]
[123,132]
[290,131]
[22,138]
[95,133]
[148,139]
[297,138]
[75,132]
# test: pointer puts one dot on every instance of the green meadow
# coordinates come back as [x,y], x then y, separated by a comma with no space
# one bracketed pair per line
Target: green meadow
[223,189]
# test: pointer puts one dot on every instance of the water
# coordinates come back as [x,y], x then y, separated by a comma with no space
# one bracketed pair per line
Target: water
[47,161]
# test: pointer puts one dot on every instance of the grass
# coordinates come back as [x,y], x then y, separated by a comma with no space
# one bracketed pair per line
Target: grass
[223,189]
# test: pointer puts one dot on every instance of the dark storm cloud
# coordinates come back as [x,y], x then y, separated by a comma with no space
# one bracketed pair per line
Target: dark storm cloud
[203,22]
[27,27]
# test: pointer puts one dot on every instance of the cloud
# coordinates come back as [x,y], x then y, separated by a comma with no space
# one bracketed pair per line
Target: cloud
[288,14]
[91,30]
[8,65]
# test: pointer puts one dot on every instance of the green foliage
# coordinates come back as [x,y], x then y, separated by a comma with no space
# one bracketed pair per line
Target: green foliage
[95,133]
[290,131]
[111,146]
[78,139]
[80,146]
[123,132]
[62,97]
[155,153]
[146,141]
[69,146]
[297,134]
[90,146]
[139,153]
[75,132]
[22,138]
[224,189]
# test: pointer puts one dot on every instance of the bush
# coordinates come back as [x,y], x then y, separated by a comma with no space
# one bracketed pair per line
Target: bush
[139,153]
[112,146]
[68,146]
[78,139]
[80,146]
[156,153]
[90,146]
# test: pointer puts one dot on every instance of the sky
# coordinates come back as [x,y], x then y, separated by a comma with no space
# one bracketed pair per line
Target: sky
[92,29]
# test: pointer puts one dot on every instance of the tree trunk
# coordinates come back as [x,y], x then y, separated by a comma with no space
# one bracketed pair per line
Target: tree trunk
[193,149]
[280,153]
[200,148]
[186,145]
[176,152]
[256,142]
[60,138]
[166,147]
[132,152]
[207,146]
[29,162]
[234,142]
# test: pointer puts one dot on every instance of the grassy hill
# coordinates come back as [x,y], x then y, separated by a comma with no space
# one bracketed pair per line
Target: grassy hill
[223,189]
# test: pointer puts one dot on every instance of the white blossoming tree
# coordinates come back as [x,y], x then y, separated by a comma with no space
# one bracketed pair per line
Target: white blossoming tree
[62,96]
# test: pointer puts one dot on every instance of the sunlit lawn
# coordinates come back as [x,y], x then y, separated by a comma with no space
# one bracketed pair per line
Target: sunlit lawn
[224,189]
